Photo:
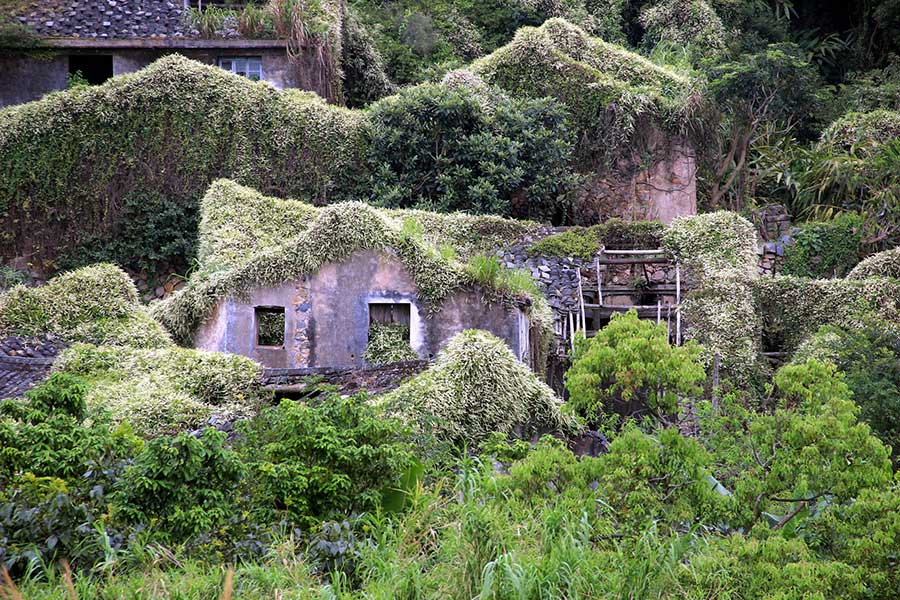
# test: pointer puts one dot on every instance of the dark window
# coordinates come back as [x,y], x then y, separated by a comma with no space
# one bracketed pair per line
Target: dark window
[385,313]
[270,326]
[94,68]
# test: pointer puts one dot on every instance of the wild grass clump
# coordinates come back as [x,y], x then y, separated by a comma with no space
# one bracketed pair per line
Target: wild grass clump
[97,304]
[477,386]
[168,389]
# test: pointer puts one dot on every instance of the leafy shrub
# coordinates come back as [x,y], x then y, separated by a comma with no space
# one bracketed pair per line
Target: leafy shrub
[181,486]
[869,357]
[57,463]
[168,389]
[477,386]
[805,447]
[42,520]
[388,344]
[49,434]
[629,368]
[448,148]
[825,248]
[96,304]
[323,460]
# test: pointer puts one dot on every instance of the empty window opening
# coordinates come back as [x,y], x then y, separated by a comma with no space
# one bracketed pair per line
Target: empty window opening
[389,334]
[245,66]
[93,68]
[270,326]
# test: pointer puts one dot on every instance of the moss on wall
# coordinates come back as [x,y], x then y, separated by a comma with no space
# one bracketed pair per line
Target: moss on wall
[584,242]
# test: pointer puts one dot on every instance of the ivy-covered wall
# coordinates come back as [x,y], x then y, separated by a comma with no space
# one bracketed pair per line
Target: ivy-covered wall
[115,172]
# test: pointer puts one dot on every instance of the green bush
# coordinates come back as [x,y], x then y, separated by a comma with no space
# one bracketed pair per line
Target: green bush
[825,248]
[168,389]
[805,446]
[476,387]
[869,357]
[629,368]
[51,434]
[58,462]
[450,148]
[181,486]
[97,304]
[324,459]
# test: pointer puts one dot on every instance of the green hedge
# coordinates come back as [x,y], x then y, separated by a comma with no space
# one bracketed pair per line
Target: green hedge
[793,308]
[825,248]
[115,172]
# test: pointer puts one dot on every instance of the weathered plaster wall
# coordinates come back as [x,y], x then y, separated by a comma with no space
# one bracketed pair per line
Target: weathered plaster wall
[657,184]
[327,316]
[24,78]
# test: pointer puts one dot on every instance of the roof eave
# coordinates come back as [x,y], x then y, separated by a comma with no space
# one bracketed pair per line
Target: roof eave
[160,43]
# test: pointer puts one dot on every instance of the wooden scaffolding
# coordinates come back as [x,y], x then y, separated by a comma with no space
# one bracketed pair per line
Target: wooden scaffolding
[594,307]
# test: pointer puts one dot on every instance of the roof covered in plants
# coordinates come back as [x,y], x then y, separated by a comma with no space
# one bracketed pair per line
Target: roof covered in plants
[608,88]
[248,240]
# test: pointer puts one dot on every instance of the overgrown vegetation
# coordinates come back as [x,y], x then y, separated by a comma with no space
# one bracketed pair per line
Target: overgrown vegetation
[477,386]
[629,370]
[585,242]
[720,471]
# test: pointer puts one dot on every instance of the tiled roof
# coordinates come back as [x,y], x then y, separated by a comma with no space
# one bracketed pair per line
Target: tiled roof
[112,19]
[24,363]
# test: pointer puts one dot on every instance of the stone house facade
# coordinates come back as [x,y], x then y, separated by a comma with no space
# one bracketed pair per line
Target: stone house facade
[323,319]
[99,40]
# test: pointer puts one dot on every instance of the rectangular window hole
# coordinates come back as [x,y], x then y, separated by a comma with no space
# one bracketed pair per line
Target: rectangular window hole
[269,326]
[93,68]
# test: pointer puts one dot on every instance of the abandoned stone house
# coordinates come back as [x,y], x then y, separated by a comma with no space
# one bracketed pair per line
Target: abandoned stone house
[323,319]
[98,40]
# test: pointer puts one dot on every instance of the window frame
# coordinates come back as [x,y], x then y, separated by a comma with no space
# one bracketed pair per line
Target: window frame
[233,61]
[269,309]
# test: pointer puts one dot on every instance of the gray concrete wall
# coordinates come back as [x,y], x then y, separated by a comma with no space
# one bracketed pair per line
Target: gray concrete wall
[327,316]
[24,78]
